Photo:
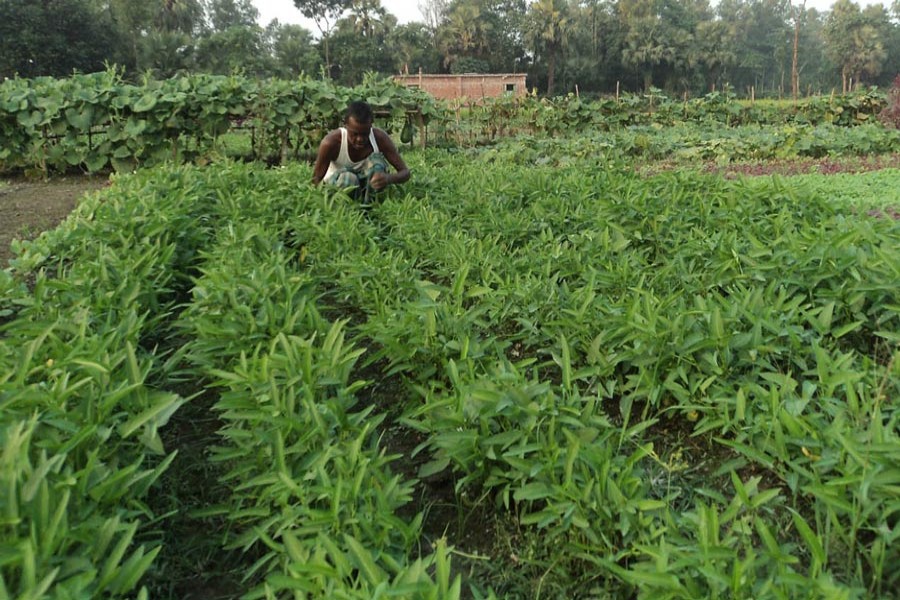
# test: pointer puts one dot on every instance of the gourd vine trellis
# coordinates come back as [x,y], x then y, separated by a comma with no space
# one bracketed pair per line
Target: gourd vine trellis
[97,121]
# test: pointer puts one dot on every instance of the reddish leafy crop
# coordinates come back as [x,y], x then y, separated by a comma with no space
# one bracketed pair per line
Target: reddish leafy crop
[890,115]
[799,166]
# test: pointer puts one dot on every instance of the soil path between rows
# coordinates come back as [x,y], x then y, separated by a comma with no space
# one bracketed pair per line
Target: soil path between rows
[29,207]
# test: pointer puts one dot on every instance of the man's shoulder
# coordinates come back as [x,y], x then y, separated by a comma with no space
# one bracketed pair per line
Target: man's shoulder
[332,139]
[381,135]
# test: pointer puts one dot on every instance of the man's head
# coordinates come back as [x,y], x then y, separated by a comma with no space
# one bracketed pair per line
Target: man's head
[360,111]
[358,122]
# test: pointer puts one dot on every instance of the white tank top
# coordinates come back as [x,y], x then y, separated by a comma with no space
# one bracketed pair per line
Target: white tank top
[343,160]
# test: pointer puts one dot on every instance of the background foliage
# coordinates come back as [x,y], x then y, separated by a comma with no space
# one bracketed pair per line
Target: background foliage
[594,46]
[99,122]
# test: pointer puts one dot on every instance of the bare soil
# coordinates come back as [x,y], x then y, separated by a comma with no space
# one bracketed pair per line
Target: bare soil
[29,207]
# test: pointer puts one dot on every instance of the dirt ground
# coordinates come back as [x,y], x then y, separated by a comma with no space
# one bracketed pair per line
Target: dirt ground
[29,207]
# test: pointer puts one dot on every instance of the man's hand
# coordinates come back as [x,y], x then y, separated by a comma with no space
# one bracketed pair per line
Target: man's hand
[379,181]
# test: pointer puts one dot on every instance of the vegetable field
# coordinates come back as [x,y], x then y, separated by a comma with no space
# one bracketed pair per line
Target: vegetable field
[504,380]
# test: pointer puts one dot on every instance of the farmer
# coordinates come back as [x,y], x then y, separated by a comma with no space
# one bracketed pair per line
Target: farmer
[357,155]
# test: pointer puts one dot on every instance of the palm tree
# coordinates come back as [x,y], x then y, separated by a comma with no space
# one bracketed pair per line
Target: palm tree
[465,33]
[367,17]
[713,50]
[180,15]
[548,31]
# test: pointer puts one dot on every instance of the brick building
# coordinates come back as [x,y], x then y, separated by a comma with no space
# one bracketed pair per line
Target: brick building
[468,85]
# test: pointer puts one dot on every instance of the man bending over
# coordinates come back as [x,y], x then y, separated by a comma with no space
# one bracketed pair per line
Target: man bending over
[357,155]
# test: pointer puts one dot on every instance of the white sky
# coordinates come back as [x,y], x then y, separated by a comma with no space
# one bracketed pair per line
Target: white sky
[408,10]
[286,12]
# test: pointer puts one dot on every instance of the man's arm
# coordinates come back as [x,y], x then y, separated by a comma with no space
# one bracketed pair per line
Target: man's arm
[392,155]
[328,151]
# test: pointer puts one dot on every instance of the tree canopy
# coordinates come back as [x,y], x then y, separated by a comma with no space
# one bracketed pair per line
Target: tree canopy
[764,47]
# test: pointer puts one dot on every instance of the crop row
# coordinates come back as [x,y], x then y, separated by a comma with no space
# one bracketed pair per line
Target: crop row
[690,143]
[313,497]
[313,491]
[677,386]
[571,113]
[547,316]
[82,409]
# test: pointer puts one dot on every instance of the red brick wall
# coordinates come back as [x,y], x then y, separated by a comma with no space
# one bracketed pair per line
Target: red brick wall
[473,86]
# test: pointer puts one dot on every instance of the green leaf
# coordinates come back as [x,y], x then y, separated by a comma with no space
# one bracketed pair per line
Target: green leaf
[95,161]
[135,127]
[740,489]
[80,119]
[164,406]
[813,543]
[432,467]
[145,103]
[764,497]
[533,491]
[364,561]
[39,475]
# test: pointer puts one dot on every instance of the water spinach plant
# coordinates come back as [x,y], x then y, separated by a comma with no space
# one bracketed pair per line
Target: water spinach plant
[673,386]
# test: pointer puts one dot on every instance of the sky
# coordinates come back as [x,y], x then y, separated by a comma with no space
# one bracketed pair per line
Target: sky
[286,12]
[408,10]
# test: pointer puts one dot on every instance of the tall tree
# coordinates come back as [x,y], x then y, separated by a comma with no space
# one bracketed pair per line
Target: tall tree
[293,50]
[324,14]
[854,43]
[593,15]
[132,21]
[507,52]
[185,16]
[646,44]
[168,46]
[592,56]
[434,12]
[548,30]
[361,42]
[762,42]
[798,14]
[235,41]
[166,53]
[815,69]
[892,46]
[238,48]
[367,17]
[713,52]
[224,14]
[413,48]
[44,38]
[880,19]
[464,37]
